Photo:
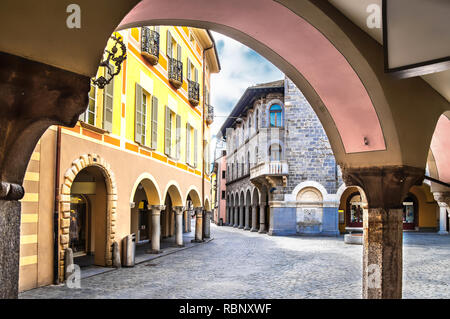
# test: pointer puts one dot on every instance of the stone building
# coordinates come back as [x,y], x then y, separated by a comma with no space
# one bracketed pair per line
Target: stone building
[282,176]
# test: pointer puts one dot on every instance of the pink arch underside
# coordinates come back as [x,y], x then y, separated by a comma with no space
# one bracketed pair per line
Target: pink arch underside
[440,146]
[300,44]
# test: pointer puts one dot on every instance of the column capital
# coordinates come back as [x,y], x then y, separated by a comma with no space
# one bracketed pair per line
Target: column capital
[156,209]
[386,186]
[442,198]
[179,209]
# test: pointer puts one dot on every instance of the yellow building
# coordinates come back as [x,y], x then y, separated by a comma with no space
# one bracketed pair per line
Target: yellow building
[134,160]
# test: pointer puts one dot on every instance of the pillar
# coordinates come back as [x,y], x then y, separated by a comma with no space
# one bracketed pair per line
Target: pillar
[156,228]
[241,217]
[384,189]
[172,223]
[189,221]
[247,217]
[33,96]
[207,224]
[236,216]
[9,239]
[198,225]
[443,200]
[179,225]
[262,218]
[254,221]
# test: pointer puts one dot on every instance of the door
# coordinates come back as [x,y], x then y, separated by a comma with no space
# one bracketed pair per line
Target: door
[410,211]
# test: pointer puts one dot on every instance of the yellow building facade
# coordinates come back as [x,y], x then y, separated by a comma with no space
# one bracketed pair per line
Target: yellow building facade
[142,145]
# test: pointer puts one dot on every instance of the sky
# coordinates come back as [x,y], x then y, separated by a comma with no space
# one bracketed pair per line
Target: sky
[241,67]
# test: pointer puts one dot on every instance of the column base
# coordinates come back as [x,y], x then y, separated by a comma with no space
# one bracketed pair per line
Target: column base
[443,232]
[246,228]
[154,252]
[235,226]
[241,227]
[262,231]
[253,230]
[180,246]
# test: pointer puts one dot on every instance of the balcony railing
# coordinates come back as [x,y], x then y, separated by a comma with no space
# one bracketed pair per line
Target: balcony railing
[274,168]
[175,72]
[194,92]
[210,115]
[150,45]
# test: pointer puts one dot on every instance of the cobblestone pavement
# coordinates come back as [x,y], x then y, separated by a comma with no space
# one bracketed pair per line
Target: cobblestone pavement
[240,264]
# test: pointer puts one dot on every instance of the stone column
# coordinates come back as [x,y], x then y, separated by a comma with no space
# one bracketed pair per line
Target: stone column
[254,221]
[207,224]
[185,228]
[198,225]
[172,223]
[189,221]
[236,216]
[156,228]
[262,218]
[443,200]
[10,210]
[247,217]
[241,217]
[179,225]
[384,189]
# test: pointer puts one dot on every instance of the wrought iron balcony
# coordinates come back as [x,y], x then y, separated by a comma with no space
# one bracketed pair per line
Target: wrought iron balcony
[150,45]
[194,92]
[175,72]
[273,168]
[210,115]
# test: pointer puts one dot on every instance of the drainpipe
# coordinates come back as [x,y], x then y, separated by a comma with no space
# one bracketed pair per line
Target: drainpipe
[56,207]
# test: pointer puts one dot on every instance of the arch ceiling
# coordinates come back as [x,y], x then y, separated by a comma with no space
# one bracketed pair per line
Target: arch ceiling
[338,67]
[173,190]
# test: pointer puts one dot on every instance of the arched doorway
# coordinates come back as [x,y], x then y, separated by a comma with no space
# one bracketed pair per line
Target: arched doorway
[354,210]
[410,212]
[88,213]
[144,194]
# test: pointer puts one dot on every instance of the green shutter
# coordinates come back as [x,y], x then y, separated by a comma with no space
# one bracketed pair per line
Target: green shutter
[178,137]
[108,104]
[188,143]
[154,122]
[195,148]
[196,75]
[167,137]
[169,44]
[188,69]
[178,52]
[138,115]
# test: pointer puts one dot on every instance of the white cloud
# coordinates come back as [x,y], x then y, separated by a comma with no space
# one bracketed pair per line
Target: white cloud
[241,67]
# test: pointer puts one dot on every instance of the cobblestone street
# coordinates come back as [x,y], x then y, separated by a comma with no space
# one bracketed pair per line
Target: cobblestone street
[240,264]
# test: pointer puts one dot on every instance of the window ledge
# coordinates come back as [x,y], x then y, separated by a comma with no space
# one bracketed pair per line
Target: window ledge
[93,128]
[145,147]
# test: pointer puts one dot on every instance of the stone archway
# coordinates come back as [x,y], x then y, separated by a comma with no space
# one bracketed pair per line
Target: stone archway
[79,164]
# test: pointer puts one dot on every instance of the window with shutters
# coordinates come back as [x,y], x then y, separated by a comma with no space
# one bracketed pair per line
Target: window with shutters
[154,143]
[108,105]
[150,44]
[90,115]
[140,123]
[193,85]
[168,132]
[175,64]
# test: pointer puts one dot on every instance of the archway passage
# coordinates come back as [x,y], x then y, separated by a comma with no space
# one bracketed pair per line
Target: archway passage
[88,210]
[88,213]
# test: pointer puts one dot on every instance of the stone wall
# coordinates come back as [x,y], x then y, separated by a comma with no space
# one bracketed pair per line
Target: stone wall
[308,150]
